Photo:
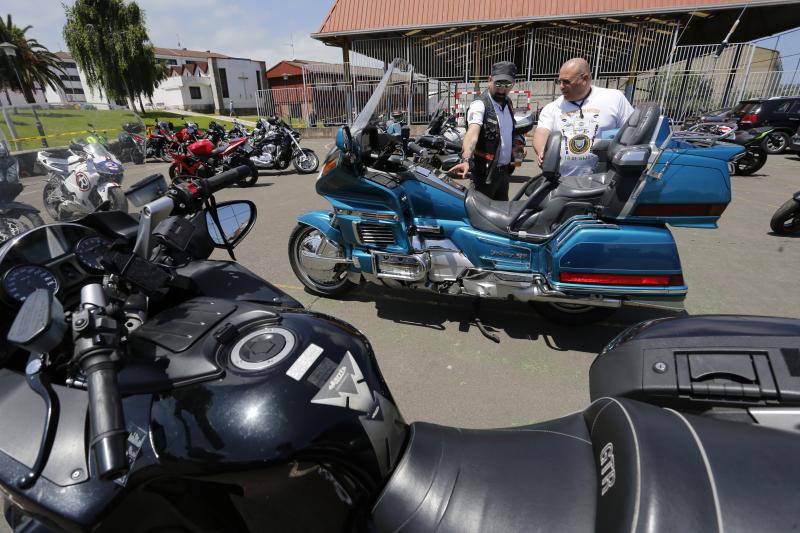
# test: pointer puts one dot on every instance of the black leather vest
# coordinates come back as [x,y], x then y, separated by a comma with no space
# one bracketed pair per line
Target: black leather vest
[487,149]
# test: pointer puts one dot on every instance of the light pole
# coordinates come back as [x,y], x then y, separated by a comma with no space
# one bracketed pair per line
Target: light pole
[11,52]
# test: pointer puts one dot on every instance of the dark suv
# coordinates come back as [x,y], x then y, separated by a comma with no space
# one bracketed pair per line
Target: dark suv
[781,113]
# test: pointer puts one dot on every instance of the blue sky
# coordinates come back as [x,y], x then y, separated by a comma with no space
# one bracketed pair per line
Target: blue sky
[259,30]
[255,29]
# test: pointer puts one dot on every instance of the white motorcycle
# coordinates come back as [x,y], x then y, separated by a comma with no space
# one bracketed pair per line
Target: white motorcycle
[81,179]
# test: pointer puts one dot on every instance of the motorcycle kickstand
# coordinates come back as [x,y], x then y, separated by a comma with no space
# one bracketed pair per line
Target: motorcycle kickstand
[476,306]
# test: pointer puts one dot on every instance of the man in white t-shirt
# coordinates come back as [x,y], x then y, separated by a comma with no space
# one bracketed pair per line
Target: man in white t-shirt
[582,113]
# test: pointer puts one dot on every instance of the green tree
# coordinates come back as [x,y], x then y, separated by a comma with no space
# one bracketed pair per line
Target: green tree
[109,42]
[684,93]
[36,65]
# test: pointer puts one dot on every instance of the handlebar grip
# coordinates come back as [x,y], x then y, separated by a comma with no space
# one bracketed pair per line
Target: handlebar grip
[227,178]
[107,433]
[417,149]
[453,145]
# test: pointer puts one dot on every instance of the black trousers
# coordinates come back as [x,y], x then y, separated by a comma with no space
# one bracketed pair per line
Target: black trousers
[498,188]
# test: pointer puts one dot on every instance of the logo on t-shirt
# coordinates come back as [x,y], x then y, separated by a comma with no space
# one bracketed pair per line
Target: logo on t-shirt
[579,144]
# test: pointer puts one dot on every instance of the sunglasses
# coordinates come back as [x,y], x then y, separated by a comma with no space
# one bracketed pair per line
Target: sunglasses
[503,84]
[568,82]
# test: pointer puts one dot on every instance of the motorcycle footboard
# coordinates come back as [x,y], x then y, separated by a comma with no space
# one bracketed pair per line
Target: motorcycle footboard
[639,265]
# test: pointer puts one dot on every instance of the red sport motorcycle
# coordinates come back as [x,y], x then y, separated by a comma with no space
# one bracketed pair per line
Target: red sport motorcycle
[202,159]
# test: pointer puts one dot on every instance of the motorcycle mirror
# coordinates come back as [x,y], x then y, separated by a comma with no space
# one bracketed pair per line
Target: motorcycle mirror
[344,140]
[236,219]
[40,324]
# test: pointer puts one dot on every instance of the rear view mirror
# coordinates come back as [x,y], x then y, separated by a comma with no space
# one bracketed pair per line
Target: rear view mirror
[344,140]
[236,219]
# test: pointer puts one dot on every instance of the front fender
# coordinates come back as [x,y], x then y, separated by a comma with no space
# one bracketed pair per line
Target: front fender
[10,207]
[322,221]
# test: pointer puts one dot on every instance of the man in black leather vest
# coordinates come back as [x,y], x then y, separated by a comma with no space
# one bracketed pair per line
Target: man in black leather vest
[487,146]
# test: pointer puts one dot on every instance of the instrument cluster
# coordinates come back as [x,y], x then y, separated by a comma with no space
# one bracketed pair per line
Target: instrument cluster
[56,257]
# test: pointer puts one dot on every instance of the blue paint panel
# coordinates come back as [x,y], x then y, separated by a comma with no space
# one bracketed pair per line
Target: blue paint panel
[322,221]
[486,250]
[627,250]
[363,259]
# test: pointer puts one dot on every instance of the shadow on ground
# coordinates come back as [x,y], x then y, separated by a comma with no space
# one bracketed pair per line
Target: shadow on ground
[518,320]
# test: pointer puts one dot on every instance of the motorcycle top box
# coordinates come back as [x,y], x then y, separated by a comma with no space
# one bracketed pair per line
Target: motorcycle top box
[577,247]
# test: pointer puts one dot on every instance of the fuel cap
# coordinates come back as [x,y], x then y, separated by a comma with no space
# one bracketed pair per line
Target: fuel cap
[262,348]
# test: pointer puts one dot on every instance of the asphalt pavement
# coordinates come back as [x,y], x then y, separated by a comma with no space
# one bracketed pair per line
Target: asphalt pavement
[441,369]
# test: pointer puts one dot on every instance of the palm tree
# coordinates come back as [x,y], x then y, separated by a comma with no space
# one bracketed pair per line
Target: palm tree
[34,63]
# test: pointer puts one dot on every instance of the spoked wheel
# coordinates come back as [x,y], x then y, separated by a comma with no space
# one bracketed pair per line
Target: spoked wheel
[307,242]
[776,142]
[10,227]
[306,162]
[786,220]
[751,161]
[572,314]
[52,197]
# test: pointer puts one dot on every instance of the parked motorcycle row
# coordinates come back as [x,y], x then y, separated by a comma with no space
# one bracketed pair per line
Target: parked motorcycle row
[146,387]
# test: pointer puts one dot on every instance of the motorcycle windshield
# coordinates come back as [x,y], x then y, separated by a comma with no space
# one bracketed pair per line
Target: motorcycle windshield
[392,92]
[97,151]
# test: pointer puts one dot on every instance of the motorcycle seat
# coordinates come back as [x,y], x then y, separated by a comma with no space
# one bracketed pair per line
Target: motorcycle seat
[581,187]
[621,465]
[494,216]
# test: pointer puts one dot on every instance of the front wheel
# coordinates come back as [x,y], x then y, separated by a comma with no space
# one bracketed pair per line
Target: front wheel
[786,220]
[307,243]
[572,314]
[52,196]
[117,199]
[776,142]
[306,162]
[751,161]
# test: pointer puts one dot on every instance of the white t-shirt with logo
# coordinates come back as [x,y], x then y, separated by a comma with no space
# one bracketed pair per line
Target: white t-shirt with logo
[603,109]
[475,116]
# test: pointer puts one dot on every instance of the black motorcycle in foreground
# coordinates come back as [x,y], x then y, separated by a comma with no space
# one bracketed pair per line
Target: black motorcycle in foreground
[277,144]
[15,217]
[786,220]
[145,388]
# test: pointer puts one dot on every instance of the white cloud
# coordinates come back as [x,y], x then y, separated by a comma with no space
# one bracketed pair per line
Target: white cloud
[255,32]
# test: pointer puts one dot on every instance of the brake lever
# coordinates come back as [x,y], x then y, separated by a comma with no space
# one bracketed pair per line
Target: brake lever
[38,382]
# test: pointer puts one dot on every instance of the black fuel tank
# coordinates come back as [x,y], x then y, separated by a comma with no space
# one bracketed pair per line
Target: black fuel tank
[294,386]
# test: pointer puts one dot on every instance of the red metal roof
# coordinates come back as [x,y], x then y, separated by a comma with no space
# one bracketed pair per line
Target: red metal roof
[358,16]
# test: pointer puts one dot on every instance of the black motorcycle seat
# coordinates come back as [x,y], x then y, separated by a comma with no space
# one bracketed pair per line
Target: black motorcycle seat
[581,187]
[485,214]
[621,465]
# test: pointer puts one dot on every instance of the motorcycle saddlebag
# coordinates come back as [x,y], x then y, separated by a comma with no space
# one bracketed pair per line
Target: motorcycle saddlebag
[706,363]
[201,147]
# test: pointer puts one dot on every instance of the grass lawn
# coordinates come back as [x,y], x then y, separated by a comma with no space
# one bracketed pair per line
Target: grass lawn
[61,125]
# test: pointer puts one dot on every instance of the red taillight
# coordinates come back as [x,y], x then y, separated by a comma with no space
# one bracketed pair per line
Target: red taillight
[679,210]
[749,118]
[647,280]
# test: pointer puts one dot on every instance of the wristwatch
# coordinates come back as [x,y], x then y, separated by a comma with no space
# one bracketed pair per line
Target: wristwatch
[470,160]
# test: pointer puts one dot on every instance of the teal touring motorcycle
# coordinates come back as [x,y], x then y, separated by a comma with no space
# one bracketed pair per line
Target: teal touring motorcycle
[576,247]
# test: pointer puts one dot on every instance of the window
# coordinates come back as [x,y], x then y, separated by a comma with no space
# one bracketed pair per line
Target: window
[194,92]
[258,80]
[223,79]
[68,65]
[795,109]
[66,77]
[783,107]
[77,91]
[168,61]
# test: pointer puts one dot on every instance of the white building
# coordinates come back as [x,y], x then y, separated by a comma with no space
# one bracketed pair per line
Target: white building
[73,86]
[198,81]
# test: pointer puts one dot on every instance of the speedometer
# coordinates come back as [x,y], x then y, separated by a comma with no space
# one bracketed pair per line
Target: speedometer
[21,281]
[90,250]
